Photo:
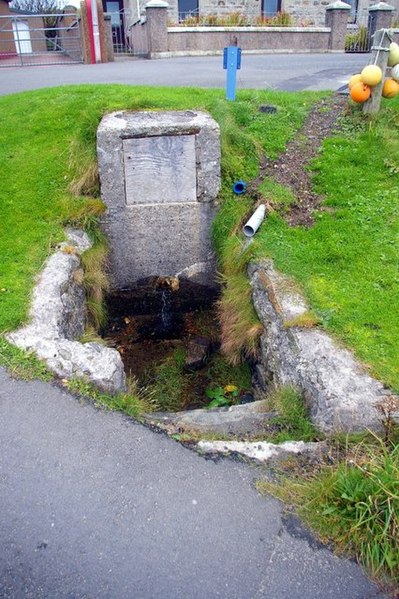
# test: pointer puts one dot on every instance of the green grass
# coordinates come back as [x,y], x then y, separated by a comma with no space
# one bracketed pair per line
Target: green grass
[354,504]
[22,364]
[293,422]
[134,402]
[348,262]
[47,148]
[168,384]
[172,388]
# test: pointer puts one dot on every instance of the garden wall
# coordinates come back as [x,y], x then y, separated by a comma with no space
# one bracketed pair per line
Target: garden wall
[153,38]
[288,39]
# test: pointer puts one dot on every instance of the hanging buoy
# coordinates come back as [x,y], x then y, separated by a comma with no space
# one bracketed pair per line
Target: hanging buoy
[239,187]
[390,89]
[360,92]
[393,54]
[371,75]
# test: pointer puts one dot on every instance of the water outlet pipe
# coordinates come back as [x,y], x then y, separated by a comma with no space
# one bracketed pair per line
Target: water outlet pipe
[255,221]
[239,187]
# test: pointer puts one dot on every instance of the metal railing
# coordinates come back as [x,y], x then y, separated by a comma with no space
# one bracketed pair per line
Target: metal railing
[358,35]
[39,39]
[121,39]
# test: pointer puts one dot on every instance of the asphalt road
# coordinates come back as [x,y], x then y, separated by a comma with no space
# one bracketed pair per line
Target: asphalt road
[289,72]
[95,506]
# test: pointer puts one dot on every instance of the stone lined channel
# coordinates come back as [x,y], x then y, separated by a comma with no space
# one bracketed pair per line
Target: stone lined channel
[165,326]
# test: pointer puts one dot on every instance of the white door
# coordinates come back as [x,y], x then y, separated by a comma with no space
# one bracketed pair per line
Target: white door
[22,37]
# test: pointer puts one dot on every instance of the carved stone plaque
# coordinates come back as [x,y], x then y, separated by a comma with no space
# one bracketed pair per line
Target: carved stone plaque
[160,170]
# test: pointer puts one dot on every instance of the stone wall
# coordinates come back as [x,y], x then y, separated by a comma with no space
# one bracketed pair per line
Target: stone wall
[287,39]
[153,38]
[308,12]
[160,175]
[250,8]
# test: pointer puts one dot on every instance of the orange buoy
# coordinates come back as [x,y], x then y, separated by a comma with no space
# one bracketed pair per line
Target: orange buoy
[390,88]
[360,92]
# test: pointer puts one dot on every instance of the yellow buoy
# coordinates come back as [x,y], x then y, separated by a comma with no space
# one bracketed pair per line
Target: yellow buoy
[354,79]
[393,54]
[371,75]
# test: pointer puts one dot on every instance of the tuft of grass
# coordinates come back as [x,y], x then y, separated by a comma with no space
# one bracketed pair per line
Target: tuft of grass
[91,335]
[169,386]
[22,364]
[293,419]
[308,320]
[239,324]
[95,281]
[355,504]
[86,183]
[134,402]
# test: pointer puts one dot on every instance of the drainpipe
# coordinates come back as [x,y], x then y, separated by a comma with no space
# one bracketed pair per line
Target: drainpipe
[255,221]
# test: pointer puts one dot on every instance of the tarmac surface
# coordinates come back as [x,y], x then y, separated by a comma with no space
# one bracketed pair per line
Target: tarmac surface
[95,506]
[290,72]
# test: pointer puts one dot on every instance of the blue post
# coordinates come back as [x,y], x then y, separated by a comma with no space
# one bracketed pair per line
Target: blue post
[231,62]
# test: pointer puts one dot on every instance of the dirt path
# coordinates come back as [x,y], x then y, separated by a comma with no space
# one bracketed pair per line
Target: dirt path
[291,168]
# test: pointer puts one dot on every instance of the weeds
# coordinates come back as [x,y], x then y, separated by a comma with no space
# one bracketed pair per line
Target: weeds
[236,19]
[355,503]
[293,419]
[22,364]
[95,281]
[134,402]
[358,504]
[239,323]
[168,384]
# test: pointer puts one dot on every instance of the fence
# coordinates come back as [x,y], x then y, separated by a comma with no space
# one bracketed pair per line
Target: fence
[121,39]
[39,39]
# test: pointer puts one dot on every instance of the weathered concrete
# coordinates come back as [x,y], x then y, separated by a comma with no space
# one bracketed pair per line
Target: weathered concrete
[58,316]
[245,419]
[340,393]
[263,452]
[160,175]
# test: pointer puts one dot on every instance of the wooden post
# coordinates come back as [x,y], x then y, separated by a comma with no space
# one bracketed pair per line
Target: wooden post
[379,56]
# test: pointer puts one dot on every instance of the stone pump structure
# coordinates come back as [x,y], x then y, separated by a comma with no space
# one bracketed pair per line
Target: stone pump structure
[160,175]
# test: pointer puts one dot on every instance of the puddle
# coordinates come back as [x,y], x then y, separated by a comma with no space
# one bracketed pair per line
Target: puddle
[167,333]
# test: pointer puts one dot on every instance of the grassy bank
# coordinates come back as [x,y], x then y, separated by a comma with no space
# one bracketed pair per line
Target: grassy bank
[47,152]
[346,263]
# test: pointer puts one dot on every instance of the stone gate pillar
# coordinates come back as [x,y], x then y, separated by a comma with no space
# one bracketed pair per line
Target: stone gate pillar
[337,19]
[380,17]
[157,27]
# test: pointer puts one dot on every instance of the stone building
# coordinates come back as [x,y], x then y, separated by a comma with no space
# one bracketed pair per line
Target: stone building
[303,12]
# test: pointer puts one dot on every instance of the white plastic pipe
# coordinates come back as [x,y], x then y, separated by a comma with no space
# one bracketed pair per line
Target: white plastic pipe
[255,221]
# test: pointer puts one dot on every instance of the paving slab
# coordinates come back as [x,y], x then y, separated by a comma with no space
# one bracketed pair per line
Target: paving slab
[94,505]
